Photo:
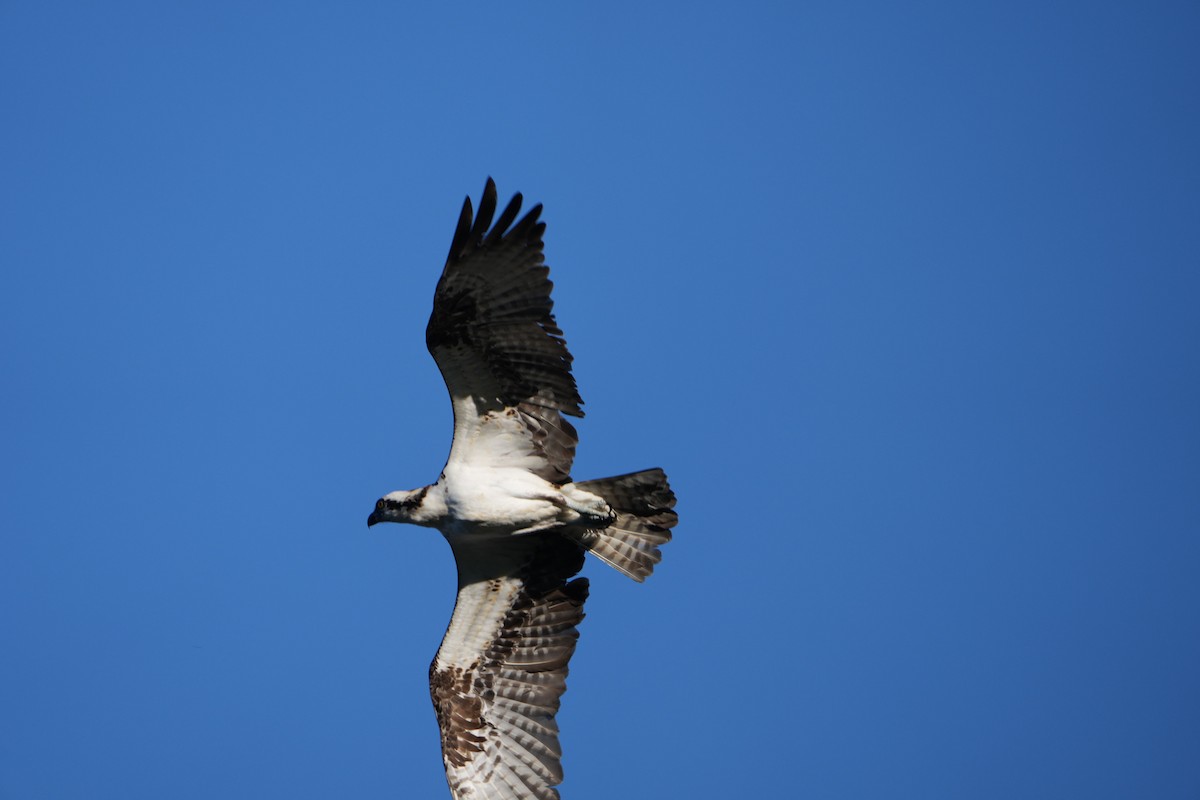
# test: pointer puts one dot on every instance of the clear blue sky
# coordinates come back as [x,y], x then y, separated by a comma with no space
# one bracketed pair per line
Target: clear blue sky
[903,296]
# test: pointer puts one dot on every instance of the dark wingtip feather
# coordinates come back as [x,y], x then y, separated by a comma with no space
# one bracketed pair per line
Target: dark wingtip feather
[462,231]
[529,228]
[506,218]
[487,208]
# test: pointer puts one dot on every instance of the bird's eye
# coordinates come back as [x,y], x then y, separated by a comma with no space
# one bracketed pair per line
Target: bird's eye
[379,504]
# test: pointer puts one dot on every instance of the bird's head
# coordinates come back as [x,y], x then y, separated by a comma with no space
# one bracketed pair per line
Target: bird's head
[400,506]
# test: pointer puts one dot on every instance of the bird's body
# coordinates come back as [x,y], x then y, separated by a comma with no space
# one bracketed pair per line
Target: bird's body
[470,500]
[516,522]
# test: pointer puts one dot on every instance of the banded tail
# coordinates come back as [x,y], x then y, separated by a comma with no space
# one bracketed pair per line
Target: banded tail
[643,502]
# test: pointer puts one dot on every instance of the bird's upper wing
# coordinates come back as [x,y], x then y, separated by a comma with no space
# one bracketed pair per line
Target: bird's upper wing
[502,666]
[503,357]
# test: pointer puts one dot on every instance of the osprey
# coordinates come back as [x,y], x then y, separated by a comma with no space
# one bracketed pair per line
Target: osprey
[516,522]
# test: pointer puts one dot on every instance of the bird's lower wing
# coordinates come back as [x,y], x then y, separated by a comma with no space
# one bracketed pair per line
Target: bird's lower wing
[502,667]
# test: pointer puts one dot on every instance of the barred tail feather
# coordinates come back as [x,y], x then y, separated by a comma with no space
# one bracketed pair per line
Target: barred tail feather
[643,502]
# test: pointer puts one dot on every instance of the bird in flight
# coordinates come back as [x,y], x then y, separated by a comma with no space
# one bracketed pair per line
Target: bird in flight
[517,523]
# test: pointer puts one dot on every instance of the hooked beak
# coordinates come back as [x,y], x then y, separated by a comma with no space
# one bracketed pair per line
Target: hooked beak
[371,520]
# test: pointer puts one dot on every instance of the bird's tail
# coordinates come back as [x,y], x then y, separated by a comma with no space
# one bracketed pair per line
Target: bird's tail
[642,502]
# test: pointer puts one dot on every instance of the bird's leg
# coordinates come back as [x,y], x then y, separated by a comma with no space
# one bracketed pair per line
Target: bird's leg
[593,510]
[575,507]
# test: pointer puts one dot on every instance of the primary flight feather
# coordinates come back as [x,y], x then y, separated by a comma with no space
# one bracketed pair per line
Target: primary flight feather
[517,524]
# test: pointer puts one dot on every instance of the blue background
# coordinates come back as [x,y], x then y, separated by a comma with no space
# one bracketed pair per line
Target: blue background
[903,296]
